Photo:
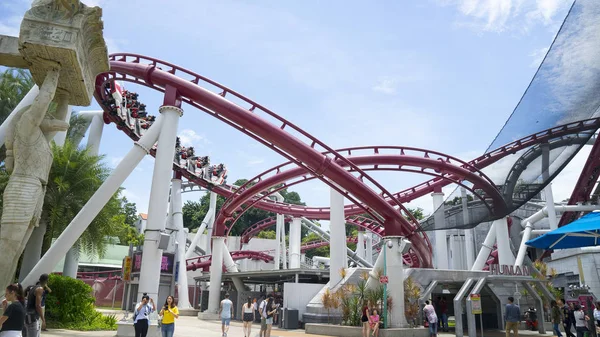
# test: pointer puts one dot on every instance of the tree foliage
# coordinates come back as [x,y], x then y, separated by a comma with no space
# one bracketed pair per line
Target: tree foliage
[194,211]
[14,85]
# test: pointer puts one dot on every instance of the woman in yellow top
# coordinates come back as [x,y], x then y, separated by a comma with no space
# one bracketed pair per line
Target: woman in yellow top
[169,312]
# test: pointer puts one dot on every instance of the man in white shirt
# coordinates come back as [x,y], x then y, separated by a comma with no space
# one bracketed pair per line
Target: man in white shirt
[263,317]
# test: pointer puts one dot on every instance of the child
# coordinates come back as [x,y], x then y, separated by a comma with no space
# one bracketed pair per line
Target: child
[374,321]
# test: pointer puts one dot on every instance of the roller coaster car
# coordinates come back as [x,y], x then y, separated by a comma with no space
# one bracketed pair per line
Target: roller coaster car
[218,174]
[116,92]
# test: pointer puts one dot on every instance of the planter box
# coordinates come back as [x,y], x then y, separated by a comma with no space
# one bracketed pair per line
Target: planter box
[353,331]
[125,329]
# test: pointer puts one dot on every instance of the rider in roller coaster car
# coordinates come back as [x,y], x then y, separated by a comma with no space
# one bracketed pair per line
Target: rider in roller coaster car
[177,158]
[146,122]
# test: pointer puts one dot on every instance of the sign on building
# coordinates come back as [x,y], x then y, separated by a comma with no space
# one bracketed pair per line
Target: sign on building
[511,270]
[476,304]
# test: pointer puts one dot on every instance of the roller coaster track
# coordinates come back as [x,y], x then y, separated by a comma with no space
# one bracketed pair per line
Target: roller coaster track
[130,67]
[203,262]
[304,153]
[397,158]
[359,221]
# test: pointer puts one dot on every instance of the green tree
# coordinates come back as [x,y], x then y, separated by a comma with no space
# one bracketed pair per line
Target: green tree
[14,85]
[194,212]
[74,177]
[268,234]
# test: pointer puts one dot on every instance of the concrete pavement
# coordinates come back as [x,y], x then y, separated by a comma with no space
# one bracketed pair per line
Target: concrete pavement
[186,327]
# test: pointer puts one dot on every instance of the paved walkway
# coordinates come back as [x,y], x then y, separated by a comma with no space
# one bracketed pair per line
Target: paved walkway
[189,326]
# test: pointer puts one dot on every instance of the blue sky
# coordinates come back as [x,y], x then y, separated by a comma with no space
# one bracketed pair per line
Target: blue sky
[437,74]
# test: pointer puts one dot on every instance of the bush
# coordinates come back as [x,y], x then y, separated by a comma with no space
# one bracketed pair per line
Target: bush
[71,306]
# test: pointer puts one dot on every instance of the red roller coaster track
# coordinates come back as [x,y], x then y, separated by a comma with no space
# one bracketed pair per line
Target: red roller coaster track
[326,166]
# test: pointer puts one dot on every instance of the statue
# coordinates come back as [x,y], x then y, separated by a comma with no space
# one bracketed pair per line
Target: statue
[63,44]
[28,160]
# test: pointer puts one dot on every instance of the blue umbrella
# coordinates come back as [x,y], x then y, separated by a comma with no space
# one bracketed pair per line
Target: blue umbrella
[583,232]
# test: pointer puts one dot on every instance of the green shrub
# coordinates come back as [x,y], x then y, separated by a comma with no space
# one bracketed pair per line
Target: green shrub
[71,306]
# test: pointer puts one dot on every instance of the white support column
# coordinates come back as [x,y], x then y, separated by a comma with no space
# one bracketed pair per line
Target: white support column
[360,244]
[177,215]
[469,237]
[295,233]
[216,274]
[337,230]
[208,220]
[159,202]
[26,101]
[369,248]
[230,265]
[209,225]
[523,246]
[395,288]
[91,209]
[505,256]
[245,261]
[277,257]
[95,136]
[61,136]
[377,271]
[441,246]
[71,262]
[486,248]
[548,189]
[284,252]
[33,249]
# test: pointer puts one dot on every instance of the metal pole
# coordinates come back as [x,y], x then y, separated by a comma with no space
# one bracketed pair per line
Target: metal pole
[481,323]
[385,320]
[115,292]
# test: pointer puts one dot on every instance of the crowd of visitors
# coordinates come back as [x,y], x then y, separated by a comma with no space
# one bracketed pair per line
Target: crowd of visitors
[24,310]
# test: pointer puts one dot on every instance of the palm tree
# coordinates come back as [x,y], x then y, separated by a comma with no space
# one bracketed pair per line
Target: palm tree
[14,85]
[74,177]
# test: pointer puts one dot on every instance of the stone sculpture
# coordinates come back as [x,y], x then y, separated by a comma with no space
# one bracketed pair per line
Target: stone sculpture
[63,44]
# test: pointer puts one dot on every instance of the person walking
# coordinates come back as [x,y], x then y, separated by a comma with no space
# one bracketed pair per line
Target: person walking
[169,313]
[443,307]
[270,309]
[34,313]
[597,314]
[262,310]
[581,321]
[512,316]
[13,319]
[557,317]
[431,318]
[226,313]
[366,328]
[568,320]
[141,319]
[248,317]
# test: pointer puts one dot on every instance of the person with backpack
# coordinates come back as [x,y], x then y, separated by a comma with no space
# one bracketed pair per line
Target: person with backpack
[35,319]
[13,319]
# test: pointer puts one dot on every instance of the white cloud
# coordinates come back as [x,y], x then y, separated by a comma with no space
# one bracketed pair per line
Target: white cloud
[538,56]
[256,161]
[114,161]
[386,85]
[505,15]
[114,45]
[189,137]
[11,25]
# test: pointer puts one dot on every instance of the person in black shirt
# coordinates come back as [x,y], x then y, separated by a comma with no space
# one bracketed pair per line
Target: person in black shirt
[11,322]
[569,320]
